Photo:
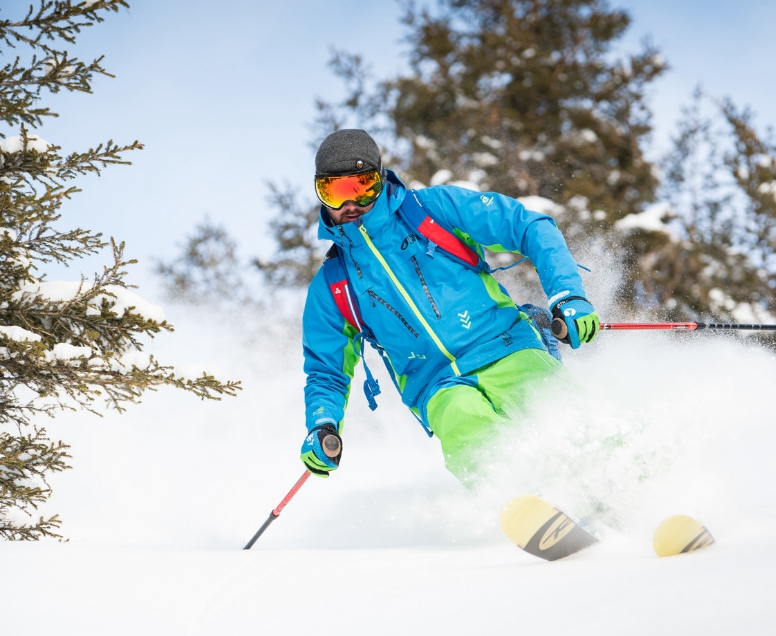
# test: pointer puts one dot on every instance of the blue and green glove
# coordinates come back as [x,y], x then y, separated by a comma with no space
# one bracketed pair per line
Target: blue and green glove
[322,450]
[580,320]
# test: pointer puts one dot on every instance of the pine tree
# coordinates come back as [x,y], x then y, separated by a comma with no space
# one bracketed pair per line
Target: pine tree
[295,228]
[517,96]
[207,271]
[524,97]
[63,345]
[714,259]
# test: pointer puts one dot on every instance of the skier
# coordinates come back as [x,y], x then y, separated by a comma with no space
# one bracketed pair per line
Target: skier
[407,275]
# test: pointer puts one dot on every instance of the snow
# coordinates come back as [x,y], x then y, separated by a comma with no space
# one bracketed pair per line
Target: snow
[65,351]
[477,176]
[531,155]
[19,334]
[124,299]
[388,592]
[441,177]
[15,143]
[658,61]
[63,291]
[649,220]
[194,371]
[485,159]
[425,142]
[137,359]
[493,143]
[50,64]
[163,498]
[768,188]
[468,185]
[541,205]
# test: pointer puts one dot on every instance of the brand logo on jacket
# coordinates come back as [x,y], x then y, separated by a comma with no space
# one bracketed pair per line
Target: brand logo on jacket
[466,320]
[409,240]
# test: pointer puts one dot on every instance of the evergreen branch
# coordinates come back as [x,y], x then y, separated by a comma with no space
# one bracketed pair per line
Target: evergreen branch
[54,20]
[81,380]
[94,159]
[25,461]
[26,231]
[87,317]
[30,532]
[21,85]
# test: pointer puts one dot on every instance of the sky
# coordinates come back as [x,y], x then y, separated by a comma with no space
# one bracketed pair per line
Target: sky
[222,95]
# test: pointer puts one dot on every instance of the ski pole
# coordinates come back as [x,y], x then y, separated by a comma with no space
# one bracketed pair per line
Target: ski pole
[560,330]
[685,326]
[331,447]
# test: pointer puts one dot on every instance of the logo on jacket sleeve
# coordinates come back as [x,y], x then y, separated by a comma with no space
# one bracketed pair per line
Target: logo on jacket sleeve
[466,319]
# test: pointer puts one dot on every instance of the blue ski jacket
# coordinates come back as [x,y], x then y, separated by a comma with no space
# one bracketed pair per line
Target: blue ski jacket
[433,316]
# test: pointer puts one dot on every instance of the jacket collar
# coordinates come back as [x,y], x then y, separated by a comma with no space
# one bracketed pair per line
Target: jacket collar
[387,203]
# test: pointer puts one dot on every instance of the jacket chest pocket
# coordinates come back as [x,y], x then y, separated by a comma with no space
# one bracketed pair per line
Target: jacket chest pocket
[378,304]
[417,262]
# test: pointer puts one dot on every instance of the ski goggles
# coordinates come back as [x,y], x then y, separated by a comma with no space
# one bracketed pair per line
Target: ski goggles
[362,189]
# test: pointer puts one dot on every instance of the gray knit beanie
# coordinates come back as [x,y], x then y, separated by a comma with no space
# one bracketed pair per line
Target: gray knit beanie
[348,151]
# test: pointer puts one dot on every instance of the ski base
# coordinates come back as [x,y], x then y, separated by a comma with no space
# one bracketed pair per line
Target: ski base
[542,530]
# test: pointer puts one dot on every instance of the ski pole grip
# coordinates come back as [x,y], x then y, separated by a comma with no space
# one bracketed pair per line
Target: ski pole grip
[559,328]
[331,446]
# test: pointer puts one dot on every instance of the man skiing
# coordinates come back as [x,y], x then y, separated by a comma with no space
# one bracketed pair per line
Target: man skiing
[407,275]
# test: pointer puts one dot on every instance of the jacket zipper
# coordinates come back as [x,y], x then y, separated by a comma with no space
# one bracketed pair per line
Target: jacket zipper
[344,236]
[411,304]
[425,288]
[393,310]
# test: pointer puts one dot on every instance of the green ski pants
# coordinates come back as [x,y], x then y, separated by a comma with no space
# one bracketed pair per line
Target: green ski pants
[466,412]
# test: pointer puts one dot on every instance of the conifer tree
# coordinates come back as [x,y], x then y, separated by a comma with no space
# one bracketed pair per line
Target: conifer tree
[517,96]
[63,345]
[714,258]
[207,271]
[525,98]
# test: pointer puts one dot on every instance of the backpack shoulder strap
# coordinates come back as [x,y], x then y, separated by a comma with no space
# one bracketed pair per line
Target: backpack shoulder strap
[337,279]
[437,233]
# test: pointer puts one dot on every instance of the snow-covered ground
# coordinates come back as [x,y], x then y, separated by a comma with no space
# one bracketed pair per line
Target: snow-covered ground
[162,499]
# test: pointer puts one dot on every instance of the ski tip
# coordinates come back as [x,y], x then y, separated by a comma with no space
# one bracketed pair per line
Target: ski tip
[680,534]
[523,516]
[541,529]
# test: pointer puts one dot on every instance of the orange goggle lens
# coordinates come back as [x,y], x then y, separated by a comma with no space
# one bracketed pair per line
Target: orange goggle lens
[362,188]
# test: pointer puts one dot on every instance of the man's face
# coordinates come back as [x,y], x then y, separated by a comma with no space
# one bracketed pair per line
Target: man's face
[348,212]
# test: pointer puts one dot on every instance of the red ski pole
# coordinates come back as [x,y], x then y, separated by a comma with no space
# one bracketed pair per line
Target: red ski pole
[331,446]
[276,512]
[560,330]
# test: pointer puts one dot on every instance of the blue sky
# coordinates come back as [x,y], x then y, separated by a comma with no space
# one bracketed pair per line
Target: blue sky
[222,94]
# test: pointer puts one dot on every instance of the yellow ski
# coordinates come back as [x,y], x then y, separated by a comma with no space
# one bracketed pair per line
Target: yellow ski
[680,534]
[542,530]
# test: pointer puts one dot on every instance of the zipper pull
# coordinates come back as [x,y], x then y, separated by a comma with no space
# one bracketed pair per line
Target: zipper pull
[431,249]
